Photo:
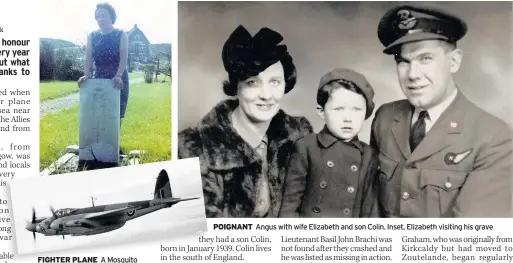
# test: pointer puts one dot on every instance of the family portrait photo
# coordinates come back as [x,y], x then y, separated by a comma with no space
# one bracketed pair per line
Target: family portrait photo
[347,109]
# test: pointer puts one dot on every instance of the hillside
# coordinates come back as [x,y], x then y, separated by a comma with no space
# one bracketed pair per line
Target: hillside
[57,43]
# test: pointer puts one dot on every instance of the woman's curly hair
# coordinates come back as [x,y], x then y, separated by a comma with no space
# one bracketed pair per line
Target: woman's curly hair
[109,8]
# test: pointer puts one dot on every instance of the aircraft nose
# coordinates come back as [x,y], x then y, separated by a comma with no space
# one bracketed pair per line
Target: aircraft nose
[31,227]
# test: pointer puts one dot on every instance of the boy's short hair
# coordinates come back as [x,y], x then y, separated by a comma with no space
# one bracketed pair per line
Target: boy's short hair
[324,93]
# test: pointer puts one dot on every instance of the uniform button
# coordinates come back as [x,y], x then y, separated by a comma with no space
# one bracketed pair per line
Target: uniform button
[405,196]
[330,164]
[354,168]
[261,201]
[448,185]
[323,184]
[350,189]
[316,209]
[347,211]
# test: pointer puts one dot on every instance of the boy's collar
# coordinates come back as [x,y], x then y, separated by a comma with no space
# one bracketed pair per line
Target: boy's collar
[326,138]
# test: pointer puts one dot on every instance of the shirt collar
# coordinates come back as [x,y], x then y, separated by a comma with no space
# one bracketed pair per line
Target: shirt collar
[435,112]
[246,130]
[326,138]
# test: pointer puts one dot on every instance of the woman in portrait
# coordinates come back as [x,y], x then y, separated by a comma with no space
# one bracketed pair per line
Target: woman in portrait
[108,49]
[244,143]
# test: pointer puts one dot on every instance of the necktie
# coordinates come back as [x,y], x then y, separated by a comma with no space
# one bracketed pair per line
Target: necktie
[418,131]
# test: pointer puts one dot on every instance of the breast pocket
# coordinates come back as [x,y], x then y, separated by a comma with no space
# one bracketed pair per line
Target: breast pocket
[387,195]
[439,189]
[387,167]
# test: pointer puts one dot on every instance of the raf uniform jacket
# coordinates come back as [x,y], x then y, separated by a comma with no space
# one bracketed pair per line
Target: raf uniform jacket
[231,168]
[330,178]
[462,167]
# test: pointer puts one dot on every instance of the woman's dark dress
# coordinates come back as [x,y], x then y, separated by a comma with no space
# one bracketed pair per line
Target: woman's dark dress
[106,60]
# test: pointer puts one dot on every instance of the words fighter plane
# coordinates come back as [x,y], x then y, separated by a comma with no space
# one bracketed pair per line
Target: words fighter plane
[104,218]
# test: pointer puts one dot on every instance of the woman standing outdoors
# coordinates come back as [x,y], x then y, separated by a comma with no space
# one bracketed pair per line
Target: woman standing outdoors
[108,49]
[244,144]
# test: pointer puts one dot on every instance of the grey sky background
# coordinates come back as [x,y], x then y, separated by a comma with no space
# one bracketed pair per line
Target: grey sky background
[322,36]
[109,186]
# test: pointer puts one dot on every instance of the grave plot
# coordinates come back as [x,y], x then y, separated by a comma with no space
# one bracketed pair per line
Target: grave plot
[99,132]
[99,125]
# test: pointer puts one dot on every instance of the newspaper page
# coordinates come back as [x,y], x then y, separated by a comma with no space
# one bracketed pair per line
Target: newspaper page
[159,131]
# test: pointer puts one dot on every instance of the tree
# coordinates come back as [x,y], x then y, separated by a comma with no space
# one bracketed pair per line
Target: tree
[163,63]
[46,62]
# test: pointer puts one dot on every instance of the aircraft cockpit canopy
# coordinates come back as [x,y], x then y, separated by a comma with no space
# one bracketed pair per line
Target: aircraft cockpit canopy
[65,211]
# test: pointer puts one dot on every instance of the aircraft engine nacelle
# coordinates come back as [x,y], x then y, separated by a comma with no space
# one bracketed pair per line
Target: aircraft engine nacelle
[72,223]
[77,223]
[50,232]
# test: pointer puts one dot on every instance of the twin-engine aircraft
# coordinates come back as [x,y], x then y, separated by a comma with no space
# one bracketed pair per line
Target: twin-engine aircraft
[104,218]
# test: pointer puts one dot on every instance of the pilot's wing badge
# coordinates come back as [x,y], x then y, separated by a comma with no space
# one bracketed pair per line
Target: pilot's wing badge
[456,158]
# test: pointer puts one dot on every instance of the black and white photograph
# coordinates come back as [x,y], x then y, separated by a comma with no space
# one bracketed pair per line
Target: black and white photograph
[97,208]
[348,109]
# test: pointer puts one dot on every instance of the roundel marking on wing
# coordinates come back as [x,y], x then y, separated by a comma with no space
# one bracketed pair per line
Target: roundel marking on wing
[131,213]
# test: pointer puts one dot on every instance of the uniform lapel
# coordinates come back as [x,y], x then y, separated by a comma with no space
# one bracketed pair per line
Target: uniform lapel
[401,130]
[444,131]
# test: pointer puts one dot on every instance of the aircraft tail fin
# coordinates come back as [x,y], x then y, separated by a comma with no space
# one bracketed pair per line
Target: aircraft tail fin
[163,186]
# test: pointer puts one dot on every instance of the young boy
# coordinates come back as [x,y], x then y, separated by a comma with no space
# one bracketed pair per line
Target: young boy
[332,173]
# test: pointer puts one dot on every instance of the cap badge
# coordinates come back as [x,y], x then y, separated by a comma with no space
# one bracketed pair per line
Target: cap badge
[408,21]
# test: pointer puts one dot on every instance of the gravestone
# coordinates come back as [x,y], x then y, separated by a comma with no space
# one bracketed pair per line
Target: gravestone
[99,125]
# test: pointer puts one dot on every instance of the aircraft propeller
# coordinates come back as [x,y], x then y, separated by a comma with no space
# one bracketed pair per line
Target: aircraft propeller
[54,215]
[53,212]
[33,215]
[31,227]
[34,222]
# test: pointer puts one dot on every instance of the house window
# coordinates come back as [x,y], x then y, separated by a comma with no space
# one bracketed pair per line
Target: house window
[136,38]
[143,47]
[136,48]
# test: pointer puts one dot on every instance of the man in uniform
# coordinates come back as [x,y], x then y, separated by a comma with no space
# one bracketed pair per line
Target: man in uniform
[439,154]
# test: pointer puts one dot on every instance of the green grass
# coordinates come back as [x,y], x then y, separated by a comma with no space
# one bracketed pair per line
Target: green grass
[54,89]
[146,126]
[135,75]
[57,131]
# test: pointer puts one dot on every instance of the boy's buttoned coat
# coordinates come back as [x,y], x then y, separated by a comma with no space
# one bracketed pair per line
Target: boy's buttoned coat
[326,178]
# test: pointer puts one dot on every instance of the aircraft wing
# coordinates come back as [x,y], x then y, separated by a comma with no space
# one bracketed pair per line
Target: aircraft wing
[183,199]
[110,213]
[171,201]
